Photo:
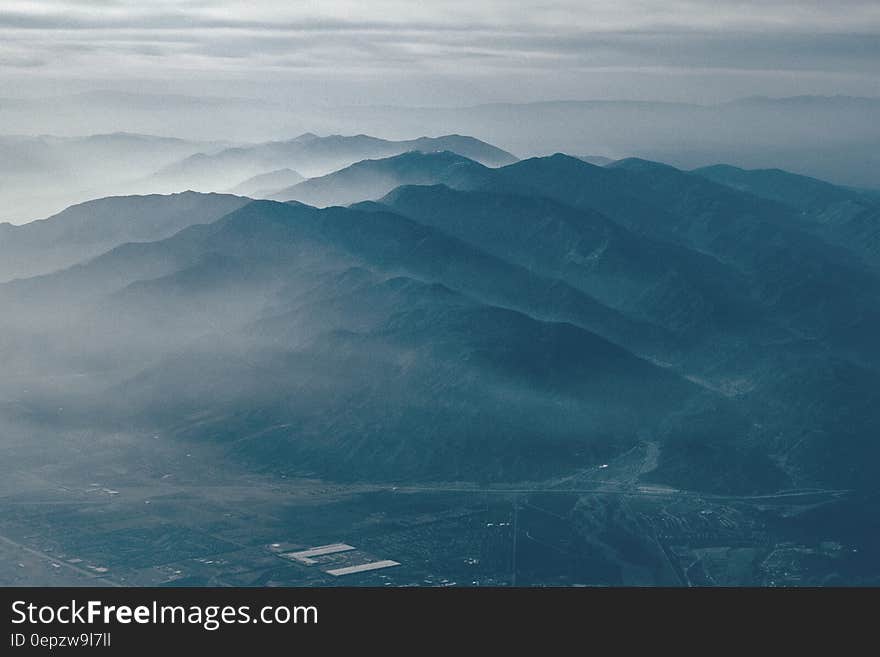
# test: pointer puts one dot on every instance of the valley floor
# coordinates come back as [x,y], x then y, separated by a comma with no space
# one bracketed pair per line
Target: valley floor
[81,509]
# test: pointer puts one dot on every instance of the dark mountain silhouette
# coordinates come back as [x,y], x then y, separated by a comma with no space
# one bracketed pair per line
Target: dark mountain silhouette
[802,192]
[758,241]
[658,282]
[813,287]
[545,314]
[843,216]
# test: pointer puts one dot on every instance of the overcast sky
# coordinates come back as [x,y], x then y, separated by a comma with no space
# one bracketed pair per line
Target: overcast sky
[449,53]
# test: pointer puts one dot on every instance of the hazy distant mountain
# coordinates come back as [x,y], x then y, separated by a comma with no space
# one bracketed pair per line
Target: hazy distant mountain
[202,117]
[312,155]
[834,138]
[837,102]
[371,179]
[43,175]
[843,216]
[49,155]
[598,160]
[89,229]
[267,184]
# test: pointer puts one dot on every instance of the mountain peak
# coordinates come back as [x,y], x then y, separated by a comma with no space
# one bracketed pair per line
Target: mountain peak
[719,168]
[640,164]
[373,178]
[562,157]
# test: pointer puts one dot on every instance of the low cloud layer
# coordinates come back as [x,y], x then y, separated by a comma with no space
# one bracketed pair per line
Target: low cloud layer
[454,52]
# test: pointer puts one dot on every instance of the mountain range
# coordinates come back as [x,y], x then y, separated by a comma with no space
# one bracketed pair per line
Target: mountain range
[464,322]
[310,155]
[89,229]
[834,138]
[41,175]
[845,216]
[85,168]
[372,178]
